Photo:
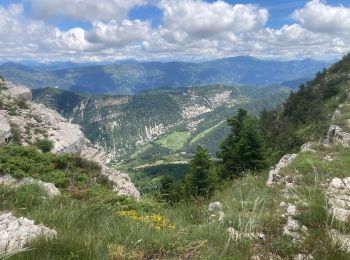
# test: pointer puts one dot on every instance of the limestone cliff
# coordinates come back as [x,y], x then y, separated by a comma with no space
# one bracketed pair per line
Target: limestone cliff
[24,122]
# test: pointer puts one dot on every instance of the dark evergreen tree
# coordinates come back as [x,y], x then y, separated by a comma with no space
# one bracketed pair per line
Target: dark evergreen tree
[201,179]
[168,190]
[243,149]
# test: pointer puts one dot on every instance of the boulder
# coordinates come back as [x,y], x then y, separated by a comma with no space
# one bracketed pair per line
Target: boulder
[274,174]
[15,233]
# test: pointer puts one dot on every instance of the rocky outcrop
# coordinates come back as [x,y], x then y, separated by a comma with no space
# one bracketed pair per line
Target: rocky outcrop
[274,174]
[307,147]
[338,196]
[121,182]
[336,136]
[36,121]
[49,188]
[5,129]
[20,92]
[15,233]
[339,239]
[293,228]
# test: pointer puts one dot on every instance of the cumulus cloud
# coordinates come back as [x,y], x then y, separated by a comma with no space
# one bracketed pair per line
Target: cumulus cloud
[185,19]
[88,10]
[316,16]
[189,30]
[116,33]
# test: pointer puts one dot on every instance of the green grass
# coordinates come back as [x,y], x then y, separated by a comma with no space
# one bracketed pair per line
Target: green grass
[204,133]
[175,141]
[140,151]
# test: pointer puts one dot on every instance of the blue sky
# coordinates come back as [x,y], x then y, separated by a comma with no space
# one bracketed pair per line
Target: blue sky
[169,30]
[279,12]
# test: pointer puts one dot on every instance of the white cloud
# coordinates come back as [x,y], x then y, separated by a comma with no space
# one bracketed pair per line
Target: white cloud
[117,34]
[190,30]
[87,10]
[316,16]
[184,19]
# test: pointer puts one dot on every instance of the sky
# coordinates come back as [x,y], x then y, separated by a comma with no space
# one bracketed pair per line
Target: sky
[187,30]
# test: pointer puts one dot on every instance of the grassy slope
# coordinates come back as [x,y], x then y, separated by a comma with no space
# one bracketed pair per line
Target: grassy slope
[175,140]
[92,230]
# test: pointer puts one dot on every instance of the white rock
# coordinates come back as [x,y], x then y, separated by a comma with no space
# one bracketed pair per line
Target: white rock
[328,158]
[121,182]
[14,91]
[215,206]
[307,147]
[340,239]
[7,180]
[15,232]
[5,129]
[49,188]
[336,136]
[274,174]
[235,235]
[338,196]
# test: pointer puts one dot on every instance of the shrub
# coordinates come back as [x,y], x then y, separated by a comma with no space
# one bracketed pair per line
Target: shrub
[44,145]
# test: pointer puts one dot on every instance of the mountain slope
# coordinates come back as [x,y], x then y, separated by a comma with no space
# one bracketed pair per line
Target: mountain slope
[195,116]
[133,78]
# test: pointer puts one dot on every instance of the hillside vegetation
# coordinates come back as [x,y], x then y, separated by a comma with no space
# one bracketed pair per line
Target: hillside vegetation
[297,210]
[141,125]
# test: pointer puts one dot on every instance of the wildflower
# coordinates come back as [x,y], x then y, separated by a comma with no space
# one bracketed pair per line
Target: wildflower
[157,221]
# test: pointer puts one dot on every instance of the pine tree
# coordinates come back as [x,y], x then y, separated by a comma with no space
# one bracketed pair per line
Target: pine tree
[201,179]
[243,149]
[168,191]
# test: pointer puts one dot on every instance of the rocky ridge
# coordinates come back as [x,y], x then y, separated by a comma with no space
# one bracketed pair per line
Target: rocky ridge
[26,121]
[337,190]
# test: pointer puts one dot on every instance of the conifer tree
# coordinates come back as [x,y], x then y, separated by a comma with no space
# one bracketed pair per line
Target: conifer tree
[243,149]
[168,191]
[201,179]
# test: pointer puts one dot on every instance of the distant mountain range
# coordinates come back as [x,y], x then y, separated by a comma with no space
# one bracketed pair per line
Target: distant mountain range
[132,77]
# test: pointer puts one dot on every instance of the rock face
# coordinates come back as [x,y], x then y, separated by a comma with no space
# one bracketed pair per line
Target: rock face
[121,182]
[274,174]
[35,121]
[5,129]
[338,196]
[15,232]
[336,136]
[49,188]
[20,92]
